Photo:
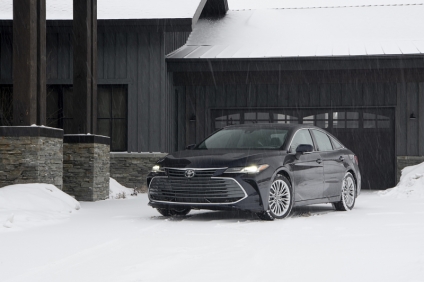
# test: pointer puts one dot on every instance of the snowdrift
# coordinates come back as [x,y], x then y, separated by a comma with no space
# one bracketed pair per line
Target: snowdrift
[411,184]
[118,191]
[27,205]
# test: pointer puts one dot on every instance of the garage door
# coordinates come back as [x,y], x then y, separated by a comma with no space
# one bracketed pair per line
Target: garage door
[368,132]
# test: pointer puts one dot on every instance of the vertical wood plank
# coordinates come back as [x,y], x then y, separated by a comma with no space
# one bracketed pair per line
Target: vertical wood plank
[241,95]
[109,54]
[369,94]
[220,96]
[143,91]
[401,120]
[293,95]
[51,55]
[181,105]
[314,92]
[325,95]
[390,94]
[304,95]
[283,97]
[100,55]
[210,103]
[420,117]
[252,96]
[132,59]
[336,95]
[154,120]
[200,113]
[262,95]
[121,55]
[273,96]
[190,110]
[64,56]
[412,124]
[6,55]
[231,93]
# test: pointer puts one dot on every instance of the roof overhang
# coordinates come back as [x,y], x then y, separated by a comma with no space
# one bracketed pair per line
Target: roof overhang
[297,64]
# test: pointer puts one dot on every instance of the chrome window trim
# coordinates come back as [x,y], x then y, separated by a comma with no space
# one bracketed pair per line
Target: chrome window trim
[206,204]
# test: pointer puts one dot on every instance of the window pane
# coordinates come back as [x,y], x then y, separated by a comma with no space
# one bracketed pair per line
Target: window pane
[263,116]
[382,117]
[309,118]
[119,135]
[338,115]
[234,117]
[339,124]
[103,127]
[322,116]
[250,115]
[220,124]
[6,106]
[119,102]
[369,123]
[352,115]
[68,106]
[301,137]
[369,116]
[322,123]
[323,141]
[352,124]
[103,102]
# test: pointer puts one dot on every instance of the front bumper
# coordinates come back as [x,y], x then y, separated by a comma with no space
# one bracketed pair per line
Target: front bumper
[255,189]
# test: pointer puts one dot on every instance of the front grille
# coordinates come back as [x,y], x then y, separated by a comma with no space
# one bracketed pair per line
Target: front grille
[178,173]
[201,189]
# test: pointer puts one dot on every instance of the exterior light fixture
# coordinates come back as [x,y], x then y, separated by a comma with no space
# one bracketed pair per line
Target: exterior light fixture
[192,117]
[412,116]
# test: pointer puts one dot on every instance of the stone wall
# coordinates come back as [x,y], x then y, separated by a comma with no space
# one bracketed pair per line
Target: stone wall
[404,161]
[131,169]
[86,168]
[31,155]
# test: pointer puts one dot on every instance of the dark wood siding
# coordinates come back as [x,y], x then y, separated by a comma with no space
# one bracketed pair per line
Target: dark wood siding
[403,90]
[135,59]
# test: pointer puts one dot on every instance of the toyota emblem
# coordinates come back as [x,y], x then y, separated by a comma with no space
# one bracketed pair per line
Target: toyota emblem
[189,173]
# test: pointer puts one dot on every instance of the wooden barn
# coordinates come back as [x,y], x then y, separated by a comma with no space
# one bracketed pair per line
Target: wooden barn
[169,75]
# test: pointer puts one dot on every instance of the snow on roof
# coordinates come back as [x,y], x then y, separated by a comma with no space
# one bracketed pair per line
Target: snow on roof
[287,4]
[113,9]
[310,32]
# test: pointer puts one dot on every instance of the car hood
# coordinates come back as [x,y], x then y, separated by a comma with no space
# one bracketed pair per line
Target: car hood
[216,158]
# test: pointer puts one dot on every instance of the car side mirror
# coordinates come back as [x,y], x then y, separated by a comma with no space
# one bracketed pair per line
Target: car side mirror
[304,148]
[191,146]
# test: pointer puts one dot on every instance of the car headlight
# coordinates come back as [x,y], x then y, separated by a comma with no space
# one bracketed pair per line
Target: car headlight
[157,168]
[248,169]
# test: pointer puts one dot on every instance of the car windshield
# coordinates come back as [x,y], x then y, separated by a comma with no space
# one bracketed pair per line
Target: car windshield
[245,138]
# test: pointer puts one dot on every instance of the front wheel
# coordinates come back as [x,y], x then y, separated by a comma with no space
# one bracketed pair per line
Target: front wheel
[348,194]
[173,211]
[280,200]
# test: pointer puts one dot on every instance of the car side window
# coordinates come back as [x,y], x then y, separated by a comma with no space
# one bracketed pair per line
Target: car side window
[302,137]
[323,141]
[336,144]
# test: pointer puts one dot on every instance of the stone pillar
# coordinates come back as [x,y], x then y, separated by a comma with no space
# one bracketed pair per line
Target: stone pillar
[31,154]
[86,167]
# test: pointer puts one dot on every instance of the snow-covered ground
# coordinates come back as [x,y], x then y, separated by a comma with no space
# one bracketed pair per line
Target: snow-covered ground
[382,239]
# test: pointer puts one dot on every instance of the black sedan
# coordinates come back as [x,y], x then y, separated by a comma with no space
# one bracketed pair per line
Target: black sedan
[264,168]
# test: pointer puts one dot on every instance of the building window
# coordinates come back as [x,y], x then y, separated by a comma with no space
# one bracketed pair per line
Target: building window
[6,105]
[111,112]
[112,115]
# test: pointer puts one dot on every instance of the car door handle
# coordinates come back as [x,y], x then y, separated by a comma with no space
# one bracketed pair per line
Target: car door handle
[319,161]
[341,158]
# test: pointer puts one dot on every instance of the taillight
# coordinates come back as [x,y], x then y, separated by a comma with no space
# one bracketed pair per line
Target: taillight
[356,160]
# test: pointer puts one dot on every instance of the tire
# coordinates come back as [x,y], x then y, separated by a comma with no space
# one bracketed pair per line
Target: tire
[173,211]
[280,200]
[348,194]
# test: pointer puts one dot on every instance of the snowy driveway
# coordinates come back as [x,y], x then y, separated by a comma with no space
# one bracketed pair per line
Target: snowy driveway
[382,239]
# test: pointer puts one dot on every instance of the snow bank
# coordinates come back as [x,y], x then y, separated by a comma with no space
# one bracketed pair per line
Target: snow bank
[118,191]
[27,205]
[411,184]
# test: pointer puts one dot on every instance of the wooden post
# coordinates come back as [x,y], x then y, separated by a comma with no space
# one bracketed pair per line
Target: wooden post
[29,62]
[85,66]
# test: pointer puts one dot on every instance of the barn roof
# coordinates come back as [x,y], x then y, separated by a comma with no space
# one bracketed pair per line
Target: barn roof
[335,31]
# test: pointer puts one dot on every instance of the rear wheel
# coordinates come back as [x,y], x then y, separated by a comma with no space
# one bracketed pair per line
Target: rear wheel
[280,200]
[348,194]
[173,211]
